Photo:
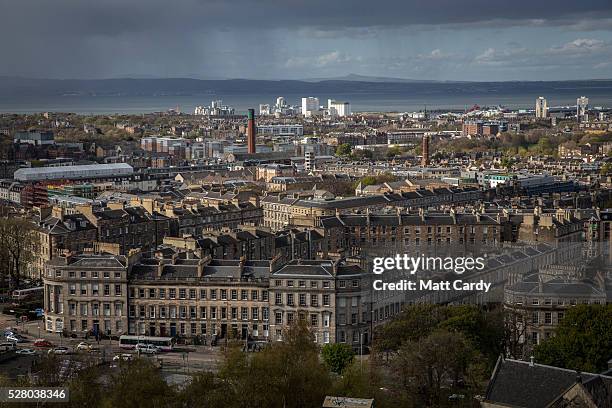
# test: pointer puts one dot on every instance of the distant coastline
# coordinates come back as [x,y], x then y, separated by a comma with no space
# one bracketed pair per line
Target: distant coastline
[132,96]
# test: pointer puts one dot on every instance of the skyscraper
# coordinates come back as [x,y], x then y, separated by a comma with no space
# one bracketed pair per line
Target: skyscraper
[582,104]
[310,105]
[541,107]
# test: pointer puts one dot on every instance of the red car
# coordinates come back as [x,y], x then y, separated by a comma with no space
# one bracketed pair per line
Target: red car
[42,343]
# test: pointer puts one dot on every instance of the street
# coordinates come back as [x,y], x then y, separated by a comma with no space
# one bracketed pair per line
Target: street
[181,359]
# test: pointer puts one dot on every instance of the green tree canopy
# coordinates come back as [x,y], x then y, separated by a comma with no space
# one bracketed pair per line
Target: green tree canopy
[338,356]
[343,150]
[582,341]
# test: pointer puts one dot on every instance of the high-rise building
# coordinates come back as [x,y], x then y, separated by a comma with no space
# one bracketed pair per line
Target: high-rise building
[280,102]
[309,160]
[582,104]
[310,106]
[264,109]
[338,108]
[251,149]
[541,107]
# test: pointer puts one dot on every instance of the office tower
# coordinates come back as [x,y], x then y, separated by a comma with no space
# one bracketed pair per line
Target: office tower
[582,104]
[310,105]
[339,108]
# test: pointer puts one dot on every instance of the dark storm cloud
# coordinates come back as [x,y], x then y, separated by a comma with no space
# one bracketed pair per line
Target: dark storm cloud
[105,38]
[114,17]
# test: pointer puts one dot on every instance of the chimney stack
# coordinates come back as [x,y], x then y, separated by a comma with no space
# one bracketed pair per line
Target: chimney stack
[251,132]
[425,159]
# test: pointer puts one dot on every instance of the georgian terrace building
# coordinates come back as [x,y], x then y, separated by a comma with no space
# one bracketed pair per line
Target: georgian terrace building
[178,295]
[540,300]
[283,210]
[459,231]
[333,297]
[86,293]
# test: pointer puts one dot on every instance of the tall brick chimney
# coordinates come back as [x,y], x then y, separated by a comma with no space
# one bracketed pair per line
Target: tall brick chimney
[425,159]
[251,132]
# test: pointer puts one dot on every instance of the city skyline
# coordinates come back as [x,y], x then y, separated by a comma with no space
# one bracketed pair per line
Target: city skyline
[472,41]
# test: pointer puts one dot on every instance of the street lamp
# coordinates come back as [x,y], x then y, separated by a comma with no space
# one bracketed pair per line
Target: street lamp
[361,351]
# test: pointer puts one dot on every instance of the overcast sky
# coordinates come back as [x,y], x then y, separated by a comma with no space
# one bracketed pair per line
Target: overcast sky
[296,39]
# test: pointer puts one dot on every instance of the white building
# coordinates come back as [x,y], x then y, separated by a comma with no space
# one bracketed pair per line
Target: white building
[582,104]
[541,107]
[338,108]
[216,108]
[73,172]
[310,106]
[264,109]
[281,130]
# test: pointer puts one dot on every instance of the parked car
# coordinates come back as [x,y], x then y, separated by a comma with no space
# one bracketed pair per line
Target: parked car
[58,350]
[26,352]
[8,346]
[146,348]
[123,357]
[42,343]
[15,338]
[84,346]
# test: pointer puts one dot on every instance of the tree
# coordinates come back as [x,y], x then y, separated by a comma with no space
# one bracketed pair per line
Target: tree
[425,366]
[582,341]
[290,373]
[138,384]
[16,247]
[86,389]
[207,390]
[362,154]
[343,150]
[285,374]
[485,329]
[338,356]
[394,151]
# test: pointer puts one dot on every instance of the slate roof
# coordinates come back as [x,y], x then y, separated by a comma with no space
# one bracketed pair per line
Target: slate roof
[518,383]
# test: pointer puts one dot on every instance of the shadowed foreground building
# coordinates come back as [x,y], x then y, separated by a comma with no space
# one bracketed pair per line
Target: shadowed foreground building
[516,383]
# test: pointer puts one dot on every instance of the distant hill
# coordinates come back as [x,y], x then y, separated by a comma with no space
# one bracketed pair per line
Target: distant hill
[367,78]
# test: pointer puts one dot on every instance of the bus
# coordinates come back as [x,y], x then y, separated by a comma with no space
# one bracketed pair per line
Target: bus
[22,294]
[130,342]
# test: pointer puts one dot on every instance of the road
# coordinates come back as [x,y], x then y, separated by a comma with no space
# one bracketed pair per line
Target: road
[183,358]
